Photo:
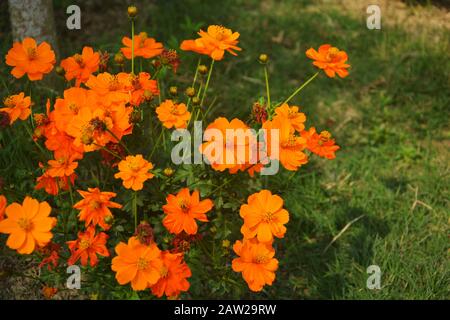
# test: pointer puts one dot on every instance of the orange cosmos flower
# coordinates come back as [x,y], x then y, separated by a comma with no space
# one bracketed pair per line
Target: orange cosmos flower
[235,148]
[330,59]
[3,203]
[290,148]
[28,225]
[256,262]
[111,89]
[137,263]
[17,107]
[321,144]
[134,171]
[94,207]
[88,246]
[52,185]
[143,46]
[29,58]
[51,255]
[81,66]
[214,42]
[195,46]
[92,128]
[62,167]
[183,209]
[264,217]
[296,119]
[142,88]
[173,115]
[49,292]
[173,276]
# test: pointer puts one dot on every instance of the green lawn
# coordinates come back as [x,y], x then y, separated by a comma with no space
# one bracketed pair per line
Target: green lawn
[390,117]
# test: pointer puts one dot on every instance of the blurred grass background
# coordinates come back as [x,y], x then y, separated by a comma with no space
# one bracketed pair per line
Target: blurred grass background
[390,117]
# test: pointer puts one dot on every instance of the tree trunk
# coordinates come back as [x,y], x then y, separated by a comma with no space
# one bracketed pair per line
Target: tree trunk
[33,18]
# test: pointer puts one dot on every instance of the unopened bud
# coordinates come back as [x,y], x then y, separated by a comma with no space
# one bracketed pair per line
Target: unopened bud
[168,172]
[195,101]
[203,69]
[190,92]
[119,58]
[60,71]
[132,12]
[263,58]
[173,91]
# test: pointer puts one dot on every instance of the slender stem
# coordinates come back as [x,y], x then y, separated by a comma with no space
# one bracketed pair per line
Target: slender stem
[156,144]
[266,75]
[109,151]
[194,81]
[44,153]
[134,208]
[71,203]
[119,141]
[209,108]
[300,88]
[31,105]
[207,83]
[132,46]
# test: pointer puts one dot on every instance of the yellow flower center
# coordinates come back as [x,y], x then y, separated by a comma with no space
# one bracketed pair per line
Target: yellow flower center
[184,205]
[79,59]
[219,32]
[291,113]
[9,102]
[84,244]
[134,165]
[32,53]
[114,84]
[260,258]
[164,272]
[268,216]
[174,110]
[73,107]
[332,53]
[325,136]
[25,224]
[290,142]
[94,205]
[142,264]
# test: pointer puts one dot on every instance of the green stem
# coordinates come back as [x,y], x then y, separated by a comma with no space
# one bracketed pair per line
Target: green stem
[209,108]
[300,88]
[207,83]
[119,141]
[156,144]
[71,202]
[134,208]
[109,151]
[132,46]
[194,81]
[266,75]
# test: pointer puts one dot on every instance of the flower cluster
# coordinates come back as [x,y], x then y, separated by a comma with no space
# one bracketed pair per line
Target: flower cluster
[92,138]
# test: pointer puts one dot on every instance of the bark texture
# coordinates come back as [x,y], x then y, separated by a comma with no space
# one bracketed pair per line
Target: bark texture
[33,18]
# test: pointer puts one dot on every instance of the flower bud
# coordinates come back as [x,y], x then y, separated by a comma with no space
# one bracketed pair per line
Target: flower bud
[60,71]
[168,172]
[109,220]
[173,91]
[190,92]
[119,58]
[263,58]
[132,12]
[203,69]
[195,101]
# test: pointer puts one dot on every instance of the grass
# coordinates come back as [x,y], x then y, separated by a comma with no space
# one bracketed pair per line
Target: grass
[390,116]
